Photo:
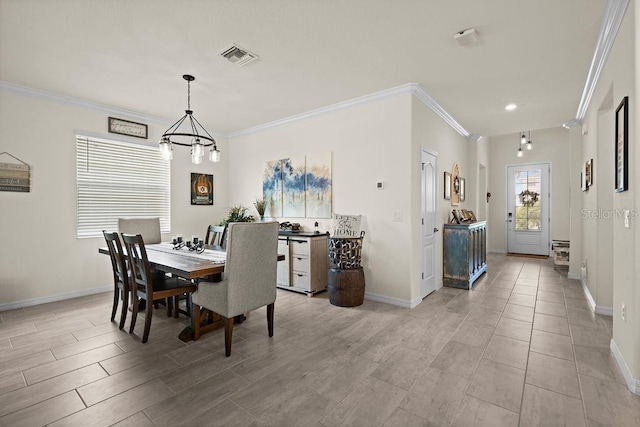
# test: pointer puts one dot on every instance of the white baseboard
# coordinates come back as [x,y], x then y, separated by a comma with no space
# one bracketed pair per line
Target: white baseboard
[496,251]
[575,276]
[632,383]
[58,297]
[598,309]
[391,300]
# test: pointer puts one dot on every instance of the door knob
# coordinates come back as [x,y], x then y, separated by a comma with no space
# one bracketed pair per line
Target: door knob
[435,230]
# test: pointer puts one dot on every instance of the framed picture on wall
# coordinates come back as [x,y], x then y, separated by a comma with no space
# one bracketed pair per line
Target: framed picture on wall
[201,189]
[447,186]
[622,146]
[589,172]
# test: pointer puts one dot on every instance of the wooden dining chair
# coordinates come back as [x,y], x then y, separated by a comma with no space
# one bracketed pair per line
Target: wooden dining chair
[149,228]
[121,287]
[249,278]
[216,235]
[143,286]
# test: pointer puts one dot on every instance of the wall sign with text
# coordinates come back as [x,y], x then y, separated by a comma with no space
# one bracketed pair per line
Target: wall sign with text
[125,127]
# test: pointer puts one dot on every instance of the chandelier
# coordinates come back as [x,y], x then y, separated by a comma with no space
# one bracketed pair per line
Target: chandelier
[527,143]
[188,132]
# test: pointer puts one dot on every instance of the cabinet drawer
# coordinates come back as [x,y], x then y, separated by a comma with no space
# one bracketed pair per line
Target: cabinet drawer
[300,280]
[300,264]
[299,247]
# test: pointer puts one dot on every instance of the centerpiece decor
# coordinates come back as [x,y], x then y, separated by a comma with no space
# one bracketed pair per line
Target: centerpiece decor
[237,213]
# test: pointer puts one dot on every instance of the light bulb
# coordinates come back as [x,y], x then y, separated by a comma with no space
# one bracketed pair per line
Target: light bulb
[529,145]
[195,159]
[165,149]
[520,153]
[523,139]
[214,154]
[197,148]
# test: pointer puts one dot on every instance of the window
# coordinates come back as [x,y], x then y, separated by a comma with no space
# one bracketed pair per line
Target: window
[528,184]
[117,180]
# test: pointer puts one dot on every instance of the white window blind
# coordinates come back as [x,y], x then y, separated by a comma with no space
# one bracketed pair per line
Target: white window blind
[120,180]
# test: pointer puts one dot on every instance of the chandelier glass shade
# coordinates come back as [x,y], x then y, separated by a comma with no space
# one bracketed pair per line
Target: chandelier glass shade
[188,132]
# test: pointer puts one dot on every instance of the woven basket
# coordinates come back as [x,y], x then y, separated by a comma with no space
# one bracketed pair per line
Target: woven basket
[345,253]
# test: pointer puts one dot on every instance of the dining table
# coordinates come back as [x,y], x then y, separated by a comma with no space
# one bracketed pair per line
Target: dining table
[194,265]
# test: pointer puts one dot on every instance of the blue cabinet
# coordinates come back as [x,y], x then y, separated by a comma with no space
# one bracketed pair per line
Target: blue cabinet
[464,254]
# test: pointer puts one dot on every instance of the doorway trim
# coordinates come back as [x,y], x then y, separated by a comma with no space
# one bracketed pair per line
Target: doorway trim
[506,200]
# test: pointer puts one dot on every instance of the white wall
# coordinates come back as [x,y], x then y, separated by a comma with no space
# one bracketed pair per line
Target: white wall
[376,141]
[619,78]
[550,145]
[430,132]
[40,257]
[369,143]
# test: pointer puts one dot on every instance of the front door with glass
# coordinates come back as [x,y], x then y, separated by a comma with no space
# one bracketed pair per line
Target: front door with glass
[528,209]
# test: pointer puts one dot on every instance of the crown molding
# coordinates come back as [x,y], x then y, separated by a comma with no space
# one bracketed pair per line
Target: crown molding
[69,100]
[361,100]
[613,14]
[427,100]
[413,89]
[572,123]
[407,89]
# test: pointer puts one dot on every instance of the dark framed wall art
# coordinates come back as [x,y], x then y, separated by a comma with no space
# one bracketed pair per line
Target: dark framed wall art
[201,189]
[622,146]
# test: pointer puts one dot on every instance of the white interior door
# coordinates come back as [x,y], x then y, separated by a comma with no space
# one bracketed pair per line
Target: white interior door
[528,209]
[429,227]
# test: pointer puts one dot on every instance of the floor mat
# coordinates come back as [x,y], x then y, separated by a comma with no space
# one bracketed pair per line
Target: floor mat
[528,256]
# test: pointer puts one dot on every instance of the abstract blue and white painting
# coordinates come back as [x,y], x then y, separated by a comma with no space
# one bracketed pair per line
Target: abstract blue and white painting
[318,185]
[298,187]
[272,188]
[293,186]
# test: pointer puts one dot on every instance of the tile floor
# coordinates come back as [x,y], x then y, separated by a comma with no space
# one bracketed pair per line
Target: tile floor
[521,348]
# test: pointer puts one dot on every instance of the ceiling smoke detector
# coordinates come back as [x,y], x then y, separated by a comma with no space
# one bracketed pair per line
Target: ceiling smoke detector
[238,56]
[466,37]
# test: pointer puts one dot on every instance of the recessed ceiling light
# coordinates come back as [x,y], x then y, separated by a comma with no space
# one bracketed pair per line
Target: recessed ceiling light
[510,107]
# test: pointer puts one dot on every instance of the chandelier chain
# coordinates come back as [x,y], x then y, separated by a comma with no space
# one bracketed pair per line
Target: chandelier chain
[188,95]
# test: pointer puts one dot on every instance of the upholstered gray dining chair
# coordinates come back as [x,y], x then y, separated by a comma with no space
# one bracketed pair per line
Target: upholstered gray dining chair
[149,228]
[249,279]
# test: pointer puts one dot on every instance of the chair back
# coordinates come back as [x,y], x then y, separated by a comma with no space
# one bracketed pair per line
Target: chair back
[250,269]
[117,258]
[216,235]
[139,266]
[149,228]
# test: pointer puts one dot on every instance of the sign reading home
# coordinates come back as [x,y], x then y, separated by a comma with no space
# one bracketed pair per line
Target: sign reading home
[345,226]
[15,177]
[125,127]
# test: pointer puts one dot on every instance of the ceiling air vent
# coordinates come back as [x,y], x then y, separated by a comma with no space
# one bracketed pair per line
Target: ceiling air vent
[238,56]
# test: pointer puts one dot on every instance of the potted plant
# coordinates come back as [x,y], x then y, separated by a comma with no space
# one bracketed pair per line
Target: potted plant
[260,205]
[237,213]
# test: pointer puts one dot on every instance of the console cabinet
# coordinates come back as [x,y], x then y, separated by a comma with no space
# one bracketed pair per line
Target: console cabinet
[464,254]
[306,263]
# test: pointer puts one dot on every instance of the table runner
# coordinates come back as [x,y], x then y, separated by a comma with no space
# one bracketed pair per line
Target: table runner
[217,257]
